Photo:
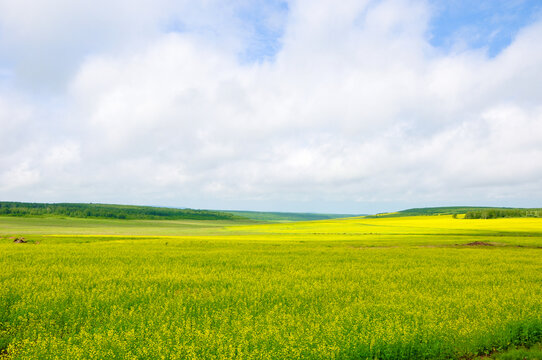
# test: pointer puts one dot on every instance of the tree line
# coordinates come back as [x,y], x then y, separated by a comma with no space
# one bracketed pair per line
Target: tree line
[109,211]
[503,213]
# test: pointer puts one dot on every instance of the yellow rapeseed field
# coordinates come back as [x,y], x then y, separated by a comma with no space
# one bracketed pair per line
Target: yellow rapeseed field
[431,287]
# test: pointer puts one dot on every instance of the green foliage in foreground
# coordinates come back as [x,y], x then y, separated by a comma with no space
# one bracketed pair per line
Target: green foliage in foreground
[269,292]
[503,213]
[522,353]
[286,216]
[109,211]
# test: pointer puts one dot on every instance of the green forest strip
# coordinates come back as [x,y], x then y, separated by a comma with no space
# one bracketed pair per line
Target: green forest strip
[503,213]
[109,211]
[471,212]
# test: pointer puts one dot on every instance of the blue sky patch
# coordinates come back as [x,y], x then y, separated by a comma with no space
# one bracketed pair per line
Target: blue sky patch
[490,24]
[265,21]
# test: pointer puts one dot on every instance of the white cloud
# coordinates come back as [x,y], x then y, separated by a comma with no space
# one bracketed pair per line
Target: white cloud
[19,176]
[356,108]
[62,155]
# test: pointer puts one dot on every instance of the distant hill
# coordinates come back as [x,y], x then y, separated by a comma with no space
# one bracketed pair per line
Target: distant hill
[445,210]
[110,211]
[285,216]
[471,212]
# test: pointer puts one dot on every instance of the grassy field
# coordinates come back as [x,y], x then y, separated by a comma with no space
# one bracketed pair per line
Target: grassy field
[361,288]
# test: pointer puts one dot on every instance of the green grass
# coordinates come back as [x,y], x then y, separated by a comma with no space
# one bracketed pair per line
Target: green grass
[392,288]
[522,353]
[533,352]
[78,226]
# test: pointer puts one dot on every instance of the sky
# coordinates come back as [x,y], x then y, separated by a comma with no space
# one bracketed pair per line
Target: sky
[352,106]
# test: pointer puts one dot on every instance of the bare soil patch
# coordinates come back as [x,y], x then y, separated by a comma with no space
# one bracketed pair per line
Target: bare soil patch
[478,243]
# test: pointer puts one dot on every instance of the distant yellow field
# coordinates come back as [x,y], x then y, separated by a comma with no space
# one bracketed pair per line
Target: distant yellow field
[404,225]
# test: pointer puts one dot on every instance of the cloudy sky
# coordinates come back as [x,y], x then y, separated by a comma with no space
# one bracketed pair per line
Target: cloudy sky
[353,106]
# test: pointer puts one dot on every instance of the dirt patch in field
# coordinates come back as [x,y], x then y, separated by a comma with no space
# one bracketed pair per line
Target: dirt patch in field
[482,244]
[473,244]
[478,243]
[375,247]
